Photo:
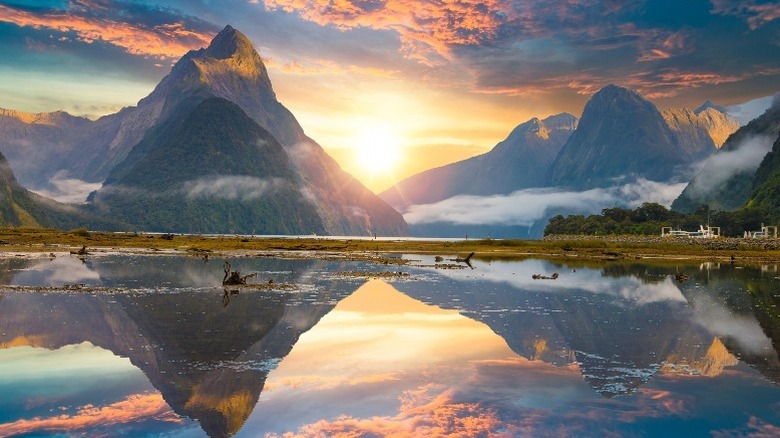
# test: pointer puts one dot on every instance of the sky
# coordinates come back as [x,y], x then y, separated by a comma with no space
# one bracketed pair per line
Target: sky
[435,81]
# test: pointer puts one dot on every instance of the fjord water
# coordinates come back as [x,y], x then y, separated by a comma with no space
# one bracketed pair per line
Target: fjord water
[152,345]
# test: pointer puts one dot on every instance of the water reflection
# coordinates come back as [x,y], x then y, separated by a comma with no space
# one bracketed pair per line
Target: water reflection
[487,350]
[75,388]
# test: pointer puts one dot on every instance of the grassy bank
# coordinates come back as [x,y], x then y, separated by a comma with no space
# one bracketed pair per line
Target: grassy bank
[562,247]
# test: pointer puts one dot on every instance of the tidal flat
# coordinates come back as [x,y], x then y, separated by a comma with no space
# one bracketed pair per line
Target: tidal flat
[596,248]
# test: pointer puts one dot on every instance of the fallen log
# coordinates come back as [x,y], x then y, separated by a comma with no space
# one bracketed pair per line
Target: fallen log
[234,278]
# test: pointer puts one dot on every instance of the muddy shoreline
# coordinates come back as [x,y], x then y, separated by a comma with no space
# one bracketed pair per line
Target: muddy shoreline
[17,242]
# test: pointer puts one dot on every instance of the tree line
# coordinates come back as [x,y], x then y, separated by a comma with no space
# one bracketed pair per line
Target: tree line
[648,219]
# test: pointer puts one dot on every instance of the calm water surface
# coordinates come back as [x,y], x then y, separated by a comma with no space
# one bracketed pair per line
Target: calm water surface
[606,349]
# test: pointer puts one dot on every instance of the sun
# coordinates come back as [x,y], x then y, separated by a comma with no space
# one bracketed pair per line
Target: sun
[377,148]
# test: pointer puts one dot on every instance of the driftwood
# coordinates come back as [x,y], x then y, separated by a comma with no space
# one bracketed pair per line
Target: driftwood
[81,252]
[545,277]
[466,260]
[234,278]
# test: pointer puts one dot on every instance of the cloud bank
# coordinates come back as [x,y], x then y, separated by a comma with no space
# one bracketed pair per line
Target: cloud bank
[527,206]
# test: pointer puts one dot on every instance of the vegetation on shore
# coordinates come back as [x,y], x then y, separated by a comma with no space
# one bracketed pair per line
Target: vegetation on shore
[648,219]
[14,240]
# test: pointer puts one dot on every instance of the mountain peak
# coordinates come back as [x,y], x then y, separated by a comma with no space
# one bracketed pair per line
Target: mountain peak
[620,133]
[228,43]
[708,104]
[612,92]
[561,121]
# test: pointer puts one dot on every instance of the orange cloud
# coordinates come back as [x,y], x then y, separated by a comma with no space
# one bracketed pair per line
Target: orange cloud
[421,414]
[133,408]
[170,40]
[427,28]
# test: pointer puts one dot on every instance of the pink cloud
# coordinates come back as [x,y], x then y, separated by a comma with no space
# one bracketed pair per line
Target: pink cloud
[133,408]
[168,40]
[674,44]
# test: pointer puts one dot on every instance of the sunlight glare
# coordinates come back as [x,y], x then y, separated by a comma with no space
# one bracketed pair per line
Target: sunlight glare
[377,148]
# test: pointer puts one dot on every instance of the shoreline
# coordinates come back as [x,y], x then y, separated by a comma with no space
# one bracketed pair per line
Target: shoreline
[16,242]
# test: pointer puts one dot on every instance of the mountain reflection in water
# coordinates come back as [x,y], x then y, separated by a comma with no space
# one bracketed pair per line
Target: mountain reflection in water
[616,348]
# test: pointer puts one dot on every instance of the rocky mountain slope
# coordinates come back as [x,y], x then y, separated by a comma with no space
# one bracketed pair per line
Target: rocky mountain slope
[619,135]
[766,182]
[701,132]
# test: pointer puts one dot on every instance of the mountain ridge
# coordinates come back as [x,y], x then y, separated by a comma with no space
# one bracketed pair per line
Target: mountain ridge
[613,120]
[517,162]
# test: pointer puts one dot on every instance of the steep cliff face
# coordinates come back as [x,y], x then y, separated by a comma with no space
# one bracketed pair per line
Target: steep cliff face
[766,182]
[700,133]
[520,161]
[619,135]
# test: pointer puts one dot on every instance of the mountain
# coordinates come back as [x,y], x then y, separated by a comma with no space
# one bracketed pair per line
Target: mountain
[710,105]
[208,169]
[37,144]
[620,134]
[231,69]
[701,131]
[520,161]
[726,181]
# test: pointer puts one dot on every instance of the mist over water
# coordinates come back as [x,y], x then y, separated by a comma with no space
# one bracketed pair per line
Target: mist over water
[529,207]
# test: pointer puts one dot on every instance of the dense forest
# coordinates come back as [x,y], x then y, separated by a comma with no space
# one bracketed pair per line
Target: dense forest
[648,219]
